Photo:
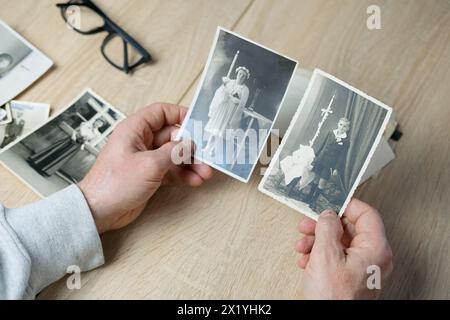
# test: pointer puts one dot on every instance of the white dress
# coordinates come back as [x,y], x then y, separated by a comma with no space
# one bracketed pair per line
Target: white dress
[224,113]
[88,133]
[298,165]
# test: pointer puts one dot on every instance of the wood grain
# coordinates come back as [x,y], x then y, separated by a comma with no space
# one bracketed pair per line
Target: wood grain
[225,239]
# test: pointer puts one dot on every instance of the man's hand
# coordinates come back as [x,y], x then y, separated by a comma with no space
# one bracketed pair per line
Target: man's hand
[134,164]
[337,253]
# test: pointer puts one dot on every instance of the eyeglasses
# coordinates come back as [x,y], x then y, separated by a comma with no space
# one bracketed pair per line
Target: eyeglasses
[118,48]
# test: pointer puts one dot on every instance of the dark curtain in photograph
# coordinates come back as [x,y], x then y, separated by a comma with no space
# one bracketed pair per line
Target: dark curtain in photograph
[366,119]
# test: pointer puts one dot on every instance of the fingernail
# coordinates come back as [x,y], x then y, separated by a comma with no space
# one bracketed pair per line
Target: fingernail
[328,212]
[174,134]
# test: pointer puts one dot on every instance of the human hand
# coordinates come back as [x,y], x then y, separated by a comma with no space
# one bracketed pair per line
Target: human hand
[135,162]
[225,80]
[337,253]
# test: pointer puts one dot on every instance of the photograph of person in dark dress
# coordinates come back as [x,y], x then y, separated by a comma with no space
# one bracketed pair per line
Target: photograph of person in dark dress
[326,148]
[330,160]
[49,160]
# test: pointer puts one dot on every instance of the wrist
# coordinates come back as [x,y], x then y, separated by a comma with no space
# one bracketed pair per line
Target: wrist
[94,204]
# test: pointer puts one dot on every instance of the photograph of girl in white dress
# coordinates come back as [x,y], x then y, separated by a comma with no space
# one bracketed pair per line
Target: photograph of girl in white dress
[236,103]
[63,150]
[227,107]
[329,141]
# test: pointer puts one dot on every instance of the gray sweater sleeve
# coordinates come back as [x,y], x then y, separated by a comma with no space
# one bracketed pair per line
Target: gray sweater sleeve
[40,241]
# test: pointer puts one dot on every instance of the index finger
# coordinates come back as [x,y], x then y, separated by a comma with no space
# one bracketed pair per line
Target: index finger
[366,219]
[159,115]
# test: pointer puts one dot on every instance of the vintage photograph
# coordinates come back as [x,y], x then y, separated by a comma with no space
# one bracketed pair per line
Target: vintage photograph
[236,103]
[25,117]
[63,150]
[327,147]
[20,63]
[5,114]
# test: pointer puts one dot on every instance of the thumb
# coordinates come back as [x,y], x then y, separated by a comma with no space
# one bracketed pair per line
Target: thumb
[328,235]
[169,154]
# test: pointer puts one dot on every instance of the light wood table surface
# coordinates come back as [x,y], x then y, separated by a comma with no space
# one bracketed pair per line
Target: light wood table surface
[226,239]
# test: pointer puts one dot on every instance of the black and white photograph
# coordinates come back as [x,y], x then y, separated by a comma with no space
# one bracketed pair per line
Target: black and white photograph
[25,117]
[62,151]
[236,103]
[5,114]
[327,147]
[20,63]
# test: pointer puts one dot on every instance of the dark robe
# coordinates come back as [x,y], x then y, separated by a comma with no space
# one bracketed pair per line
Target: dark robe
[330,156]
[52,158]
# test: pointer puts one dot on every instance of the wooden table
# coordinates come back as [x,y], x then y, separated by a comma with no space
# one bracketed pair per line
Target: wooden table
[226,239]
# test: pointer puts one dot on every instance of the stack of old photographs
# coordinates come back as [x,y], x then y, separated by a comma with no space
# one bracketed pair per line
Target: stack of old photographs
[334,129]
[20,65]
[63,149]
[327,147]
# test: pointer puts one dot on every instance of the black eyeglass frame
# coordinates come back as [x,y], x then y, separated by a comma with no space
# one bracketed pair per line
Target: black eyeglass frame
[113,30]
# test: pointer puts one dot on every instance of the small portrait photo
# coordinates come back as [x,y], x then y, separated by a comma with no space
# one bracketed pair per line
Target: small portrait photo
[327,147]
[25,117]
[20,63]
[62,151]
[5,114]
[236,103]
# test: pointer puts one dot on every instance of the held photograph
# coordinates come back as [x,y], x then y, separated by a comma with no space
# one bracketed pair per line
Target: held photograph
[20,63]
[327,147]
[236,103]
[62,151]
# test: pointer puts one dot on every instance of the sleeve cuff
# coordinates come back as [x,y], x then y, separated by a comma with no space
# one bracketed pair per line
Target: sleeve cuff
[57,232]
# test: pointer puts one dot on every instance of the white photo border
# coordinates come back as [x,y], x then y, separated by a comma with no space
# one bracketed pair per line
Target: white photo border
[316,73]
[42,61]
[57,114]
[32,104]
[197,93]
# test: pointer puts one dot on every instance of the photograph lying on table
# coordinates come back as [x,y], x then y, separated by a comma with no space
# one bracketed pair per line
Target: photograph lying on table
[327,147]
[62,151]
[5,114]
[236,103]
[25,117]
[20,63]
